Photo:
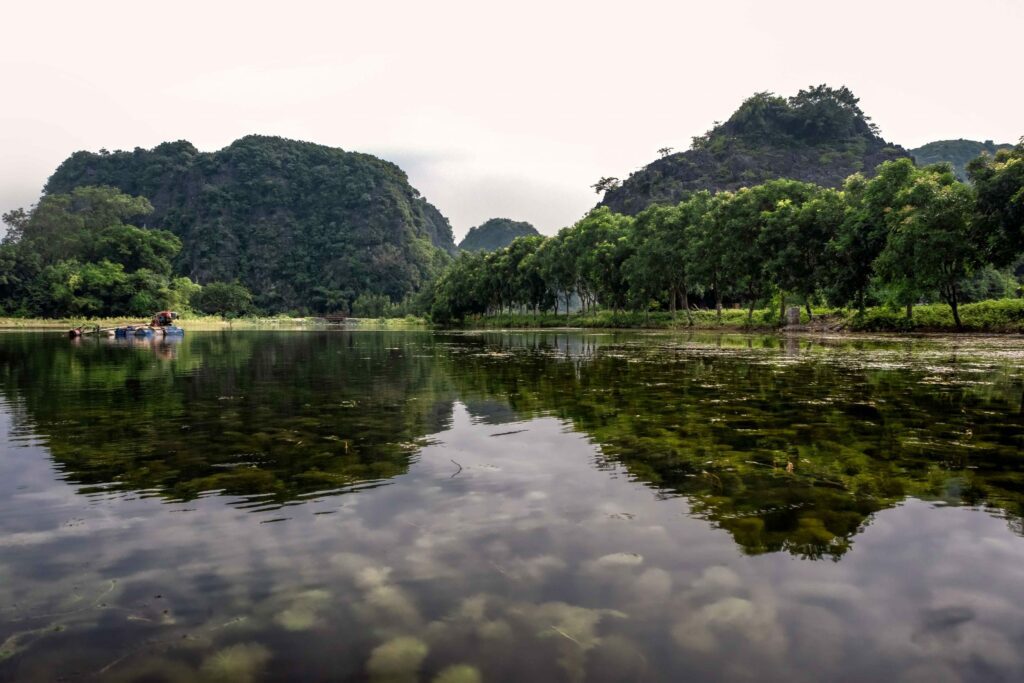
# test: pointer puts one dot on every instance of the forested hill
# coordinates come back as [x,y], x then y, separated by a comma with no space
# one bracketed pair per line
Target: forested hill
[957,152]
[304,226]
[819,135]
[495,233]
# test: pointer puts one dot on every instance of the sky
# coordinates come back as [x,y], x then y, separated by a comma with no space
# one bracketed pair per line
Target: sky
[493,109]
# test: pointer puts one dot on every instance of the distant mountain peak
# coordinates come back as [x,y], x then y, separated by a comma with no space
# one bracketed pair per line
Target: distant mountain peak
[956,152]
[302,225]
[495,233]
[819,135]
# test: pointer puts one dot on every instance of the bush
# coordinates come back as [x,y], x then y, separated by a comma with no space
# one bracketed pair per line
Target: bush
[225,299]
[1000,315]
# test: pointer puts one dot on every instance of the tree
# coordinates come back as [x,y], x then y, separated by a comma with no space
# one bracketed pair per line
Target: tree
[135,248]
[649,269]
[795,238]
[74,254]
[460,290]
[999,183]
[605,183]
[864,229]
[81,289]
[532,289]
[369,305]
[74,225]
[226,299]
[739,219]
[822,113]
[558,268]
[707,249]
[599,244]
[664,151]
[660,263]
[931,243]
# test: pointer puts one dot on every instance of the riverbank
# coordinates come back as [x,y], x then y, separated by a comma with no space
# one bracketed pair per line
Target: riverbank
[212,323]
[1005,316]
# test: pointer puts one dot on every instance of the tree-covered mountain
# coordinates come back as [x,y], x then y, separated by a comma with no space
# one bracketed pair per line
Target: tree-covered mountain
[495,233]
[820,135]
[303,226]
[957,152]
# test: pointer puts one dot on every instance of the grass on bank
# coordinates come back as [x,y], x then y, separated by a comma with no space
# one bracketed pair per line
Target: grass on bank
[995,316]
[1000,316]
[211,322]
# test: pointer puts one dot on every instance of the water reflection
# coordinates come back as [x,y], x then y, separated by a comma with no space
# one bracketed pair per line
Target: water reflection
[581,498]
[787,444]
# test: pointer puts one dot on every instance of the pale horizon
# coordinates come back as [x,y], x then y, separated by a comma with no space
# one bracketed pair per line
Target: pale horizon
[490,113]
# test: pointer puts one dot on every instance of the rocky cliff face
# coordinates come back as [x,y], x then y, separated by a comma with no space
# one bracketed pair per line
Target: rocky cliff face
[819,135]
[304,226]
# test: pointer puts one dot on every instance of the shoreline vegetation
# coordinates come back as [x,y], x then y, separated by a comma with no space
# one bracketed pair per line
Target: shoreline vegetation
[1000,316]
[904,239]
[208,322]
[892,240]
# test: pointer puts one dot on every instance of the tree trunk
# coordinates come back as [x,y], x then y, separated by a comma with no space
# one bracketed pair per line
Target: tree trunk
[672,302]
[750,312]
[955,305]
[810,314]
[910,310]
[718,304]
[686,306]
[782,308]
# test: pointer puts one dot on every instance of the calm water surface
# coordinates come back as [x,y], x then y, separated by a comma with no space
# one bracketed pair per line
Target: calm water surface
[511,507]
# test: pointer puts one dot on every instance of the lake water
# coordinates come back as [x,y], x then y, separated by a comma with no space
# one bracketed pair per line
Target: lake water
[511,507]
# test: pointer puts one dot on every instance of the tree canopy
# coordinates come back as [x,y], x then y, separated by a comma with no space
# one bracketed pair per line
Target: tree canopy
[904,236]
[75,254]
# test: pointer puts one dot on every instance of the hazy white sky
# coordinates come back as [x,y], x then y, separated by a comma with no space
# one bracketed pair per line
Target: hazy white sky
[494,109]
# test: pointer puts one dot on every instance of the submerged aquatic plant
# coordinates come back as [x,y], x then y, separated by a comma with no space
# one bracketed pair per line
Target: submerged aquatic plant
[238,663]
[397,659]
[460,673]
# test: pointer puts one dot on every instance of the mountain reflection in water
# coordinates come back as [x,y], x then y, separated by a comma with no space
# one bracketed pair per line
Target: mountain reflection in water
[567,492]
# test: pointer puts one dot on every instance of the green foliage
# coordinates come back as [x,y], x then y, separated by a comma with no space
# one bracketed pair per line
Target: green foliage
[906,236]
[999,183]
[303,226]
[226,299]
[1004,315]
[600,243]
[495,233]
[73,255]
[864,230]
[930,246]
[989,282]
[660,265]
[369,305]
[959,153]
